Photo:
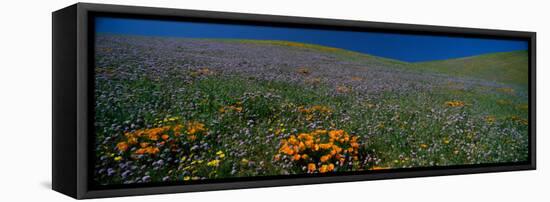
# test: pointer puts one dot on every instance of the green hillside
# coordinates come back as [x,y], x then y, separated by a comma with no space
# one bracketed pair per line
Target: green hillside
[505,67]
[343,53]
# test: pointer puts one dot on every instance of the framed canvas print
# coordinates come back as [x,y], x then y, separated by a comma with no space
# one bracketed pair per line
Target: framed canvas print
[153,100]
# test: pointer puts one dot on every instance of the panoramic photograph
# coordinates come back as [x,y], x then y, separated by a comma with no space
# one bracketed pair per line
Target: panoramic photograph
[193,101]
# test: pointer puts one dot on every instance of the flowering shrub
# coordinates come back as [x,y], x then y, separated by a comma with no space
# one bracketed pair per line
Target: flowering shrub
[320,151]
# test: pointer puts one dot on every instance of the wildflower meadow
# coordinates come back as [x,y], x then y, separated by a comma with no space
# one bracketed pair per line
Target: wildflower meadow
[187,110]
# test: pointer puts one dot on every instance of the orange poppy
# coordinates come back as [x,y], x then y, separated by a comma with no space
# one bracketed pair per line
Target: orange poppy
[122,146]
[311,167]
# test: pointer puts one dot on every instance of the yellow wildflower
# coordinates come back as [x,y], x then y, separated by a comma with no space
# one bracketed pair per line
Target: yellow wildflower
[490,119]
[214,163]
[220,154]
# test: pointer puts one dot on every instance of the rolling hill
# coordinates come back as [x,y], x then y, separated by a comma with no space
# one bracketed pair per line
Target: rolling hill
[346,54]
[504,67]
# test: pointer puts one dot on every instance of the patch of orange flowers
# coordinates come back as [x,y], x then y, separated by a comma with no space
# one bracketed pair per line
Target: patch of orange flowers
[313,81]
[356,78]
[314,111]
[343,89]
[315,108]
[321,150]
[148,141]
[237,107]
[147,150]
[194,127]
[205,71]
[454,103]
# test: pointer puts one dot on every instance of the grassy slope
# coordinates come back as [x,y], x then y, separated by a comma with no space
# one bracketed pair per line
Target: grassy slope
[505,67]
[346,54]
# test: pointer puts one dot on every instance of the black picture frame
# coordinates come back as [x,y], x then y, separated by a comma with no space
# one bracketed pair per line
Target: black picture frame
[72,97]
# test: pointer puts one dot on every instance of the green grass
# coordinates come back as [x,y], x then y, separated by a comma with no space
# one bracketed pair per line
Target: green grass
[506,67]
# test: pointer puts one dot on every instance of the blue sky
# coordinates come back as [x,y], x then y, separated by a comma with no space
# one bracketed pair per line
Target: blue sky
[404,47]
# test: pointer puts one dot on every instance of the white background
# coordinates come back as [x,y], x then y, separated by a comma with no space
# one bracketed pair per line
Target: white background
[25,99]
